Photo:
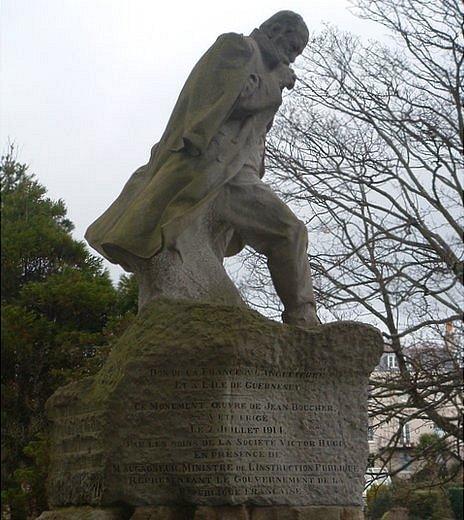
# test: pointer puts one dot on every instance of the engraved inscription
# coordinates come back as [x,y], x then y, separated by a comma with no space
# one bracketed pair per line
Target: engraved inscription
[237,432]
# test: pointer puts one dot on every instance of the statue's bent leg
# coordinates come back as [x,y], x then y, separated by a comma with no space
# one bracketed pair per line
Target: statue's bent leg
[267,224]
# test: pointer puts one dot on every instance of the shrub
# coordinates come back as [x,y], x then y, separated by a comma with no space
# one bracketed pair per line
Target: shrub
[431,504]
[455,494]
[379,501]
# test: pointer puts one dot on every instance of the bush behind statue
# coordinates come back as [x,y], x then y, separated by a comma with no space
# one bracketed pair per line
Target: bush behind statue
[403,500]
[455,494]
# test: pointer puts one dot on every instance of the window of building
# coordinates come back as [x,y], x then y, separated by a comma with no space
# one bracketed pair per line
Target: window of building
[392,361]
[406,434]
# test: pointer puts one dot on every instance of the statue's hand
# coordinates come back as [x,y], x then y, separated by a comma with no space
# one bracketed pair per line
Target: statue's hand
[287,77]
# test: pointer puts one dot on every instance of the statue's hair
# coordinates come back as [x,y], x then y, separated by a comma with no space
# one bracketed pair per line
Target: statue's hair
[287,19]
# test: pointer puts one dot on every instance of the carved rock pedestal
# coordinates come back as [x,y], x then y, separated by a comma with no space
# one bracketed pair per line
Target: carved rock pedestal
[208,513]
[199,407]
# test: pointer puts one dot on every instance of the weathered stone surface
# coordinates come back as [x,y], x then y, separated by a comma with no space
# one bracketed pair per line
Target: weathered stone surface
[163,513]
[191,513]
[210,405]
[198,275]
[221,513]
[210,513]
[248,513]
[307,513]
[85,513]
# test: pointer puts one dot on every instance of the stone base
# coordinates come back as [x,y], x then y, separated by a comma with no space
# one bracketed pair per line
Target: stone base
[85,513]
[207,513]
[248,513]
[208,405]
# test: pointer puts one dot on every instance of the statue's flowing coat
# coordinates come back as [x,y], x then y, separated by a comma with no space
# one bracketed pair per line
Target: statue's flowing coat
[169,192]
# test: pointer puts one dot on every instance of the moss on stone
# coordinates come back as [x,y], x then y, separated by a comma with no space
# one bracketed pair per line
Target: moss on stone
[170,323]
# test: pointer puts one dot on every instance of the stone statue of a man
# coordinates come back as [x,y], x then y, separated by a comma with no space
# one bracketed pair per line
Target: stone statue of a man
[209,162]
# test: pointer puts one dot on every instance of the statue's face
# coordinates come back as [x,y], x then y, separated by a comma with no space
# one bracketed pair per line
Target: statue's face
[290,42]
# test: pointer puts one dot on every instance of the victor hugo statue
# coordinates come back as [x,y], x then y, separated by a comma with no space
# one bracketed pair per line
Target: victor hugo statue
[202,188]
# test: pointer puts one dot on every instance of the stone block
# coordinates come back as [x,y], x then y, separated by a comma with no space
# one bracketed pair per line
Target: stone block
[85,513]
[307,513]
[163,513]
[212,405]
[221,513]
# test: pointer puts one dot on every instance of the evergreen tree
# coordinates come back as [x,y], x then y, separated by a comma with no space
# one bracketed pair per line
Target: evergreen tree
[56,302]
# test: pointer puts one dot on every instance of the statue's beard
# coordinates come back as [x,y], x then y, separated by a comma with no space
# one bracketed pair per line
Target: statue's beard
[272,54]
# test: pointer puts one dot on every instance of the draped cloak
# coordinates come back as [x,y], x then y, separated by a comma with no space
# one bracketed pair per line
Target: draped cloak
[164,196]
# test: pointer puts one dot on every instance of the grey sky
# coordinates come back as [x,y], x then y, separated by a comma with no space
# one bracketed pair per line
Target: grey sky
[87,86]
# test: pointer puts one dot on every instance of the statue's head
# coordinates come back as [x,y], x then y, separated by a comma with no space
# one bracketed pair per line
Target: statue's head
[288,32]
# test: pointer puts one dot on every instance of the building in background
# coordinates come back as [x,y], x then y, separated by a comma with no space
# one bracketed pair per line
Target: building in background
[395,428]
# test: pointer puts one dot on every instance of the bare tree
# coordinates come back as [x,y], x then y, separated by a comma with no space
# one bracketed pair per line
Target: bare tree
[369,148]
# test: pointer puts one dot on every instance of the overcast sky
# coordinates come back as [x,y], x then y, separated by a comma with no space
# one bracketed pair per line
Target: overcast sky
[87,86]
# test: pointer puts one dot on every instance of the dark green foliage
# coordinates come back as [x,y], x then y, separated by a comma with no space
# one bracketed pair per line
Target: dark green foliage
[76,300]
[36,235]
[428,504]
[433,451]
[59,310]
[379,501]
[27,496]
[455,494]
[425,503]
[26,356]
[128,294]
